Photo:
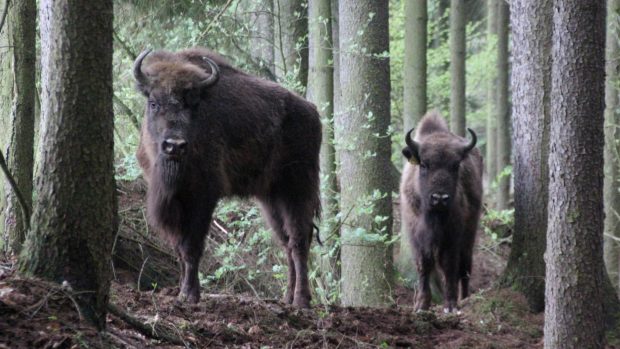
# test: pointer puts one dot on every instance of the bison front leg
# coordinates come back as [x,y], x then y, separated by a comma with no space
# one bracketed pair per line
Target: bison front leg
[424,265]
[190,249]
[449,264]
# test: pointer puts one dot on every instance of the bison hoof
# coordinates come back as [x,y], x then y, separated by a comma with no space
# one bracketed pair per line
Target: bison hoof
[450,309]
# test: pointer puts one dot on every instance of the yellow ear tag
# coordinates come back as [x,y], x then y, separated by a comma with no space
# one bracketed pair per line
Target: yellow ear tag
[413,161]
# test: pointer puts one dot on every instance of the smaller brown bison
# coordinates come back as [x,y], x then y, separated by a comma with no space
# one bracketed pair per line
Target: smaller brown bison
[441,192]
[211,131]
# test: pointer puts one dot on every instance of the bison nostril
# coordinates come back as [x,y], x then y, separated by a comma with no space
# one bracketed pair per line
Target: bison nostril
[173,146]
[439,199]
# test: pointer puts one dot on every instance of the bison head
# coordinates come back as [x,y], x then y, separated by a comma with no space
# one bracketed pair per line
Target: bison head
[439,156]
[173,85]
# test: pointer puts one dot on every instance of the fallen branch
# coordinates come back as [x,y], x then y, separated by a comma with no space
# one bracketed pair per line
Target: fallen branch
[18,193]
[155,330]
[4,13]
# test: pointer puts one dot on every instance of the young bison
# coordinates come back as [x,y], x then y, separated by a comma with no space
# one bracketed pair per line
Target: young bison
[441,192]
[212,131]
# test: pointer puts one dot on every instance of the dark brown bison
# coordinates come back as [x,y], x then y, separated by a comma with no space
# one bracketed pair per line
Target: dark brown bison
[441,193]
[212,131]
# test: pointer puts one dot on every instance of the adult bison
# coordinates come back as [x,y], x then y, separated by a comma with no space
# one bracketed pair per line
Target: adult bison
[441,192]
[212,131]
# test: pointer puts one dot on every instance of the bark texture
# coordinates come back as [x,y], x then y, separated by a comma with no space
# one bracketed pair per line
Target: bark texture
[531,87]
[6,106]
[457,67]
[612,177]
[414,99]
[364,147]
[503,114]
[291,35]
[574,257]
[263,36]
[491,126]
[321,93]
[74,218]
[22,16]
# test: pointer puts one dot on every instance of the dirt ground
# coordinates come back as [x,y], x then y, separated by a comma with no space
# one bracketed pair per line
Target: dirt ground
[38,314]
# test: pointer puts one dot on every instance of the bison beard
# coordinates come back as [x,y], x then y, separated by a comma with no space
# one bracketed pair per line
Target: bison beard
[170,172]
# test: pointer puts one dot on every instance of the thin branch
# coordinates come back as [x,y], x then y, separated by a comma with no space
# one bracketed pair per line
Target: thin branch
[124,45]
[155,330]
[217,18]
[132,116]
[18,193]
[4,13]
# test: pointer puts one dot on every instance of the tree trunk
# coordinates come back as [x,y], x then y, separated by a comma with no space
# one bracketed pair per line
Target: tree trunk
[574,258]
[503,114]
[263,36]
[457,67]
[321,92]
[22,17]
[6,106]
[491,126]
[364,146]
[531,86]
[612,177]
[414,99]
[74,218]
[291,33]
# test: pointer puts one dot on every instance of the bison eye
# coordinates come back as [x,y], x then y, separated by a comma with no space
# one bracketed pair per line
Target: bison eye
[424,165]
[154,106]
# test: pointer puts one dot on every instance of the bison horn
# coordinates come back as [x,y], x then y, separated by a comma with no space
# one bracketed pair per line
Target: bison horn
[473,141]
[215,74]
[410,142]
[137,68]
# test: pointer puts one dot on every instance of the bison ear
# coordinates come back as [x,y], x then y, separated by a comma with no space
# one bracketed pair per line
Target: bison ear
[411,156]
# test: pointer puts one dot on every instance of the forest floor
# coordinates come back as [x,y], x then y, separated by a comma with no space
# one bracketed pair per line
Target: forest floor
[38,314]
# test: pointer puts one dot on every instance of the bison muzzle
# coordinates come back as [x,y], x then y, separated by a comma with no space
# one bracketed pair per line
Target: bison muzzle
[212,131]
[441,196]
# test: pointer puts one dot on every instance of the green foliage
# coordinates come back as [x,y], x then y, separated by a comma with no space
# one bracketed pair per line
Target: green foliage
[498,223]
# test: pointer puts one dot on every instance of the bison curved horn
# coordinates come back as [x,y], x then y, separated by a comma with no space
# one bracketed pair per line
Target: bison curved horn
[215,74]
[137,68]
[410,142]
[473,141]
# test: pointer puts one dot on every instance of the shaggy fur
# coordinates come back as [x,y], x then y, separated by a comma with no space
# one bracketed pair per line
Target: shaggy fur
[246,137]
[445,235]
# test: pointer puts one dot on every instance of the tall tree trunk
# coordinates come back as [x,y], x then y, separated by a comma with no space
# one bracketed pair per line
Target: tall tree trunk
[491,126]
[531,86]
[321,92]
[22,16]
[291,33]
[503,114]
[574,257]
[6,107]
[612,156]
[414,81]
[364,146]
[457,67]
[74,218]
[263,36]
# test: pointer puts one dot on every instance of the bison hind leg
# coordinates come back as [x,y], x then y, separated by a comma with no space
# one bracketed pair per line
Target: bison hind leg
[273,216]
